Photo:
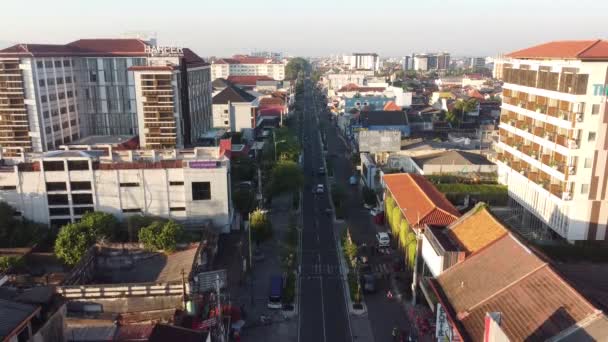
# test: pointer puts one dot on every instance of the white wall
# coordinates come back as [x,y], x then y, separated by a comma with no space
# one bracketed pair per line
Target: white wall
[431,258]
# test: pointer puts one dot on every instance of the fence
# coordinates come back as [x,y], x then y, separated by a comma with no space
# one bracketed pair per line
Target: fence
[122,290]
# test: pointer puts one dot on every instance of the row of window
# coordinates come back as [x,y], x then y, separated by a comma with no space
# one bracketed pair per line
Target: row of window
[52,97]
[62,199]
[73,165]
[54,112]
[62,186]
[53,81]
[138,210]
[64,125]
[65,211]
[57,64]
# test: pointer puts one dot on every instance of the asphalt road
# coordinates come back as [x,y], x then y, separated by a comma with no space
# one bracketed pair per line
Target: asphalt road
[323,315]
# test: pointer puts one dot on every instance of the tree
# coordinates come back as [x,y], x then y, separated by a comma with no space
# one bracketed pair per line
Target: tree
[242,169]
[369,196]
[260,225]
[286,176]
[160,236]
[295,66]
[102,225]
[16,232]
[244,200]
[73,241]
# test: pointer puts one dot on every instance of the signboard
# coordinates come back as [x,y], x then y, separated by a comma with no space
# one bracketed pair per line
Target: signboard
[206,164]
[379,141]
[164,51]
[207,281]
[443,330]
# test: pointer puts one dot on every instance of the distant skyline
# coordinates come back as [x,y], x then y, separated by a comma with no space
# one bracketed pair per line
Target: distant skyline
[312,27]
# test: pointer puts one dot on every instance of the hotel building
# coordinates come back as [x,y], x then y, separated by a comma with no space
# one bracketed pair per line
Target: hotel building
[553,145]
[248,66]
[54,94]
[188,185]
[363,61]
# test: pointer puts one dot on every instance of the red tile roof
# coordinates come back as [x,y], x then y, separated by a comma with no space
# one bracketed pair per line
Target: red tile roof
[391,106]
[506,277]
[248,80]
[565,49]
[420,202]
[271,101]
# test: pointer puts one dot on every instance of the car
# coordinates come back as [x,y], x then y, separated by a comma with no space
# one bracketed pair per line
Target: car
[321,171]
[368,283]
[319,189]
[384,240]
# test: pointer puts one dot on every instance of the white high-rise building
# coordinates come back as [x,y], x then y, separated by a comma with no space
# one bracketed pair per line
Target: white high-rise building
[553,146]
[362,61]
[55,94]
[248,66]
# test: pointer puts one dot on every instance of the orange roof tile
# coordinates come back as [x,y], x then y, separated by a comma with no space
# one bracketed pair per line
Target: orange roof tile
[565,49]
[391,106]
[476,229]
[420,202]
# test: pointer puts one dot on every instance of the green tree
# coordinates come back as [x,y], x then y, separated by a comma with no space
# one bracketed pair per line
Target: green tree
[242,169]
[102,225]
[160,236]
[295,66]
[286,177]
[243,200]
[9,262]
[73,241]
[16,232]
[260,225]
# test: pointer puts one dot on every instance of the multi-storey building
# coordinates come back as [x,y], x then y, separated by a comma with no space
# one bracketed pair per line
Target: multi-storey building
[189,185]
[59,93]
[431,61]
[553,150]
[248,66]
[362,61]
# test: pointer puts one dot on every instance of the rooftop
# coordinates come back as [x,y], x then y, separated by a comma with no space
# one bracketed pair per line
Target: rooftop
[12,315]
[476,229]
[565,49]
[420,202]
[383,118]
[248,80]
[506,277]
[452,157]
[233,94]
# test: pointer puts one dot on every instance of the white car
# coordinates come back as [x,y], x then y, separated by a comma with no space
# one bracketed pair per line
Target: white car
[320,189]
[375,211]
[384,239]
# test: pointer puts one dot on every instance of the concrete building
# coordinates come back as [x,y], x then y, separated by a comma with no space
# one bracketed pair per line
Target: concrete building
[364,61]
[337,81]
[55,94]
[430,61]
[58,187]
[248,66]
[477,62]
[234,109]
[551,151]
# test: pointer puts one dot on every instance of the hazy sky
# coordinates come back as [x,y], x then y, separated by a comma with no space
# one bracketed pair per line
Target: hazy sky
[312,27]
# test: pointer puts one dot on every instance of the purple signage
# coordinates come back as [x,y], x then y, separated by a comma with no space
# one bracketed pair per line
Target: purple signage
[203,164]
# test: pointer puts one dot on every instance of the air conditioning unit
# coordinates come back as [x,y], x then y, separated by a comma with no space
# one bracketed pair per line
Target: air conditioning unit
[579,117]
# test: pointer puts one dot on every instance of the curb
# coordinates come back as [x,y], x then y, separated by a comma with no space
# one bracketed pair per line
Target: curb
[344,271]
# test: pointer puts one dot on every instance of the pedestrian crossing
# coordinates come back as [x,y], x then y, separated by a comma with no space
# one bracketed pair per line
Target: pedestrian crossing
[327,269]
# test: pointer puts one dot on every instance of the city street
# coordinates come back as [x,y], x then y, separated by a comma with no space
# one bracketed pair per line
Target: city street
[323,312]
[384,314]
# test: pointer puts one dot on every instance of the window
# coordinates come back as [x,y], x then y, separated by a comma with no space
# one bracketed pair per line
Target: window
[55,186]
[584,189]
[48,64]
[43,99]
[50,81]
[73,122]
[68,79]
[93,76]
[57,64]
[591,136]
[39,65]
[59,80]
[56,199]
[176,183]
[71,108]
[134,210]
[54,112]
[82,199]
[77,186]
[63,110]
[82,210]
[595,109]
[61,96]
[8,187]
[70,94]
[78,165]
[201,191]
[225,111]
[59,211]
[65,124]
[226,123]
[588,163]
[48,129]
[53,165]
[52,97]
[41,83]
[46,114]
[129,185]
[66,63]
[177,209]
